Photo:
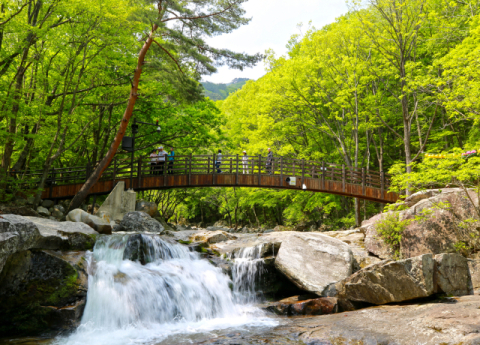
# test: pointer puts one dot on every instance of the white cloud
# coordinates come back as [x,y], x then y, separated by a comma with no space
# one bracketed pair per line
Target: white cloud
[273,23]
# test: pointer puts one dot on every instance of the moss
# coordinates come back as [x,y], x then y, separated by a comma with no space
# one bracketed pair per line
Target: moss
[203,250]
[185,242]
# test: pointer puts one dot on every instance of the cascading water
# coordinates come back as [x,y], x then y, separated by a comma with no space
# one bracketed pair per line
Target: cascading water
[248,267]
[174,293]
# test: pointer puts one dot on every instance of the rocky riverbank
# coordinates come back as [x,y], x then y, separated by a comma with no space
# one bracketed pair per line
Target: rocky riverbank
[349,275]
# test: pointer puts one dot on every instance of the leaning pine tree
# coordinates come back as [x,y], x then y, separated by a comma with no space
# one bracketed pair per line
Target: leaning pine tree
[179,30]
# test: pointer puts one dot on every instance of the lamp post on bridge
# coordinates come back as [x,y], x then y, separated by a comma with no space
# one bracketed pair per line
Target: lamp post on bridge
[128,143]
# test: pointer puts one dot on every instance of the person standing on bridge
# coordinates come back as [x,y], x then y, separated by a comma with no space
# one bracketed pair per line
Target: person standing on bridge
[269,163]
[153,161]
[245,162]
[171,158]
[218,161]
[161,160]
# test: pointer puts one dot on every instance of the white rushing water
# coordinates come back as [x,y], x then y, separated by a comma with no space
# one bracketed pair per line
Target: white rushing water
[248,267]
[174,293]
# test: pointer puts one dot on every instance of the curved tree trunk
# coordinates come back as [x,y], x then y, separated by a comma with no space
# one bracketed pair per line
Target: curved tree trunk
[105,162]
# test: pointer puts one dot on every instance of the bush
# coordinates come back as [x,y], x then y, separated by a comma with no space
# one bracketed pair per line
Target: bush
[390,229]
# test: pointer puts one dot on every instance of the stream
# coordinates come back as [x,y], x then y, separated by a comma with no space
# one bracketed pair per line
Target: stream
[175,298]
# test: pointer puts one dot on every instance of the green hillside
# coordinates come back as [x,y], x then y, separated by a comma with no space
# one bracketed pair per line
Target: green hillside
[218,92]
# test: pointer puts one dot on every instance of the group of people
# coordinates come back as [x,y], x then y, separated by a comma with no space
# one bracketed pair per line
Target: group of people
[158,158]
[245,162]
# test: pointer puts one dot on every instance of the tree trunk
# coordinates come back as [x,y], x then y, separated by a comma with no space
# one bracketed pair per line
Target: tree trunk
[82,194]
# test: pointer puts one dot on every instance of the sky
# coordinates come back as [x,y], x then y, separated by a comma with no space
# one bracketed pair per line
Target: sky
[273,23]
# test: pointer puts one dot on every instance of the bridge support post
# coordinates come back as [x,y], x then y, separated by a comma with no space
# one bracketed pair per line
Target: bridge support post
[363,182]
[281,171]
[190,170]
[343,178]
[236,176]
[303,173]
[259,169]
[214,177]
[323,174]
[382,183]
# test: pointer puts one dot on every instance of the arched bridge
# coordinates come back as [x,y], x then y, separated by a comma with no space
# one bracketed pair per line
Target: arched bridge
[200,171]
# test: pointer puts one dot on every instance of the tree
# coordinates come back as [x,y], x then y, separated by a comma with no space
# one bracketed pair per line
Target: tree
[183,41]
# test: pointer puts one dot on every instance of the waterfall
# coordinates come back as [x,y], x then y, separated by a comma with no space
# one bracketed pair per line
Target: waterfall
[248,267]
[174,292]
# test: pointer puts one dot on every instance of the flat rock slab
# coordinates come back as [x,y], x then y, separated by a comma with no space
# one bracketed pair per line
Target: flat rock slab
[63,235]
[299,305]
[455,321]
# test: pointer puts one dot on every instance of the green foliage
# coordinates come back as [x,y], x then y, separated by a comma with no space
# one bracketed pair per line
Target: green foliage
[390,229]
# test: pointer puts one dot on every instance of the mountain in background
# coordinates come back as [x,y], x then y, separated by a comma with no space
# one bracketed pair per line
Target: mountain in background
[217,92]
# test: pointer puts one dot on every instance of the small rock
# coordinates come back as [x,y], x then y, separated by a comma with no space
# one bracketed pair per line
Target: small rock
[47,203]
[43,211]
[30,200]
[211,237]
[59,208]
[298,305]
[100,225]
[149,208]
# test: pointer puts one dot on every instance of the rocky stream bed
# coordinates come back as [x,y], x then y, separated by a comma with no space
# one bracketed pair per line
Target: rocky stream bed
[149,283]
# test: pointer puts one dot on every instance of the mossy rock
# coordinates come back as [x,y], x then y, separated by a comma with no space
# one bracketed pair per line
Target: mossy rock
[33,286]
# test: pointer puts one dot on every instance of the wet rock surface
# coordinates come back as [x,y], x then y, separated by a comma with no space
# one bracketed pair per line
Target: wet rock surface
[101,225]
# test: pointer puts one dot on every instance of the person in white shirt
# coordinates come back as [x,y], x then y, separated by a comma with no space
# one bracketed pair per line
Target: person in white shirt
[153,161]
[245,162]
[161,158]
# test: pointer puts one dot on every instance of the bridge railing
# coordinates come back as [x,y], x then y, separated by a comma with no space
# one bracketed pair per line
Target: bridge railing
[208,164]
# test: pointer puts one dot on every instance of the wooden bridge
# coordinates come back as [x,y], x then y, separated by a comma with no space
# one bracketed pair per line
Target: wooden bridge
[200,171]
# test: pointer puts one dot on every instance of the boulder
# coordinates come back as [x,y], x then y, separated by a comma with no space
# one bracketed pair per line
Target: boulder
[452,274]
[391,281]
[47,203]
[304,305]
[57,214]
[211,237]
[43,211]
[16,234]
[435,231]
[139,222]
[19,211]
[149,208]
[118,203]
[165,225]
[474,272]
[313,261]
[56,235]
[100,225]
[42,291]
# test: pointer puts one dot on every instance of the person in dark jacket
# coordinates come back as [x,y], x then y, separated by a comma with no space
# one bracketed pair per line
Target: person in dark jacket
[218,162]
[171,158]
[269,163]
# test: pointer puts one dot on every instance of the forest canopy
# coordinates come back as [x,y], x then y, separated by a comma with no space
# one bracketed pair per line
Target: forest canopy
[381,86]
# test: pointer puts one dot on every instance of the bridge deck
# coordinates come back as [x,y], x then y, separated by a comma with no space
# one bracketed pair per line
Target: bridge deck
[227,180]
[202,171]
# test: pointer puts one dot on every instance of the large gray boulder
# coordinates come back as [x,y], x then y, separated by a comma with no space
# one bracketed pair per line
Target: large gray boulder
[100,225]
[63,235]
[139,222]
[42,291]
[435,231]
[392,281]
[313,261]
[16,234]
